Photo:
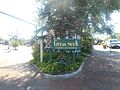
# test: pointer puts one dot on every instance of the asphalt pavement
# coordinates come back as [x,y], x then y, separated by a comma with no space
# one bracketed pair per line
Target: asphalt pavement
[98,73]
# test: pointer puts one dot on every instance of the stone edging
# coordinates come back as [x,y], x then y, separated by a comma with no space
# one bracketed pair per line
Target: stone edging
[48,76]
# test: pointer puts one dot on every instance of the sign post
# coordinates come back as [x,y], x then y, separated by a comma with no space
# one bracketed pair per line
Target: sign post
[50,55]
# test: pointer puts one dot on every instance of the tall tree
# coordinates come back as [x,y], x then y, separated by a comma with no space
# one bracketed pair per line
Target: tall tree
[14,40]
[78,16]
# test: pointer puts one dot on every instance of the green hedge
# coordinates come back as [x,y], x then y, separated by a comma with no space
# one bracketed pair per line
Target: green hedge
[62,62]
[86,44]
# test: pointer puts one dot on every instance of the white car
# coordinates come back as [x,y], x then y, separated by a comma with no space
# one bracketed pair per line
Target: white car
[113,43]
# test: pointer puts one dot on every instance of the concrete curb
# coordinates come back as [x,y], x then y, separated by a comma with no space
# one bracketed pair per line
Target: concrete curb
[65,76]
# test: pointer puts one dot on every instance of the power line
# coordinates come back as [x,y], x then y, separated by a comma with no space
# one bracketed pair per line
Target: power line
[17,18]
[20,20]
[41,41]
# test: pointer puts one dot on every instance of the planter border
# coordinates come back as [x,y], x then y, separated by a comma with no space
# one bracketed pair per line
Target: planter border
[64,76]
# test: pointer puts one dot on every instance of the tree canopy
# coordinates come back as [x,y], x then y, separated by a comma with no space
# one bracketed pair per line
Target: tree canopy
[77,16]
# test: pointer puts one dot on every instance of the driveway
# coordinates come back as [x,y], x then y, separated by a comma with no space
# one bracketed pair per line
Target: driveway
[107,53]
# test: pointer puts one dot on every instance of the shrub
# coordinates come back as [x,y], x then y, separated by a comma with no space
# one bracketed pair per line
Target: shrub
[86,44]
[62,62]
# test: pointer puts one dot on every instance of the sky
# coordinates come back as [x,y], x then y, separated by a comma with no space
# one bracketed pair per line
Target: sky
[24,9]
[115,20]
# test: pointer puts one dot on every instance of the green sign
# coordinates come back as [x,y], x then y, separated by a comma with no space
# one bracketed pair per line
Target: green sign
[65,44]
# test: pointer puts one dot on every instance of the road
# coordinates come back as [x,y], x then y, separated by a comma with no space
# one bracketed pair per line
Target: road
[100,48]
[23,54]
[101,71]
[107,53]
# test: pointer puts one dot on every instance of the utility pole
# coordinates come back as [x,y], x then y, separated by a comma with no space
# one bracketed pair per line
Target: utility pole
[41,39]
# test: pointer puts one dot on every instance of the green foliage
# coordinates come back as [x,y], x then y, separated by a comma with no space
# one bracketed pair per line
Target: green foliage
[118,36]
[22,41]
[62,61]
[107,38]
[58,66]
[70,17]
[86,44]
[77,15]
[97,41]
[14,43]
[14,40]
[36,54]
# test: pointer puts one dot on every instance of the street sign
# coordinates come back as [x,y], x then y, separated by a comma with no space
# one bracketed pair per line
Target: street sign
[65,44]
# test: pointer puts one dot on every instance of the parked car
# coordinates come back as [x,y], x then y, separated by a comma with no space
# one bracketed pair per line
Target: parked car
[113,43]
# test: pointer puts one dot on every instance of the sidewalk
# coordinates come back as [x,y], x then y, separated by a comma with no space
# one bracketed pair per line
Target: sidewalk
[98,73]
